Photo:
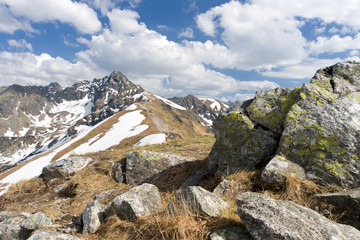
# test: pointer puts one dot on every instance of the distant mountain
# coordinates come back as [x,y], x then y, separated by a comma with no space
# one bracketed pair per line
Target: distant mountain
[206,108]
[37,121]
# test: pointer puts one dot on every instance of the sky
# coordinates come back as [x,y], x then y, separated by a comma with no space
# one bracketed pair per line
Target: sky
[208,48]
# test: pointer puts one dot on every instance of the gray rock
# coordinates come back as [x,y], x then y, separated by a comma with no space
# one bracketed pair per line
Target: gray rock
[345,199]
[59,188]
[234,233]
[195,179]
[51,235]
[266,218]
[139,201]
[240,144]
[93,216]
[278,169]
[64,167]
[77,219]
[117,171]
[104,195]
[15,218]
[147,167]
[36,221]
[13,232]
[220,188]
[197,200]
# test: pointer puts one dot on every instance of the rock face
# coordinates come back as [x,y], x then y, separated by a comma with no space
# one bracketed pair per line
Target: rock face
[140,201]
[51,235]
[13,232]
[278,169]
[197,200]
[64,167]
[10,217]
[315,126]
[147,167]
[36,221]
[266,218]
[93,216]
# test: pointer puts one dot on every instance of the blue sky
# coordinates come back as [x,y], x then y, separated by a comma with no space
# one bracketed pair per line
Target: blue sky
[208,48]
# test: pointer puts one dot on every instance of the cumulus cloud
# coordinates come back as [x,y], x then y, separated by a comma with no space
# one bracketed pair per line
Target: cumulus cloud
[9,24]
[158,64]
[30,69]
[80,15]
[334,44]
[21,44]
[186,33]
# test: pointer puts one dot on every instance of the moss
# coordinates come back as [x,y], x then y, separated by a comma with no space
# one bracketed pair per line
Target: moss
[354,157]
[334,168]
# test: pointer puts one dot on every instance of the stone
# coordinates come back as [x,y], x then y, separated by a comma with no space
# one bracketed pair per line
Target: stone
[104,195]
[36,221]
[77,219]
[195,179]
[197,200]
[11,217]
[117,171]
[234,233]
[240,144]
[51,235]
[60,188]
[278,169]
[64,167]
[13,232]
[266,218]
[93,216]
[220,188]
[139,201]
[148,167]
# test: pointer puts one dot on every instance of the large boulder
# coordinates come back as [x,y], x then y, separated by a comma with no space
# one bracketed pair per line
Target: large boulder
[139,201]
[51,235]
[234,233]
[197,200]
[93,216]
[36,221]
[64,167]
[147,167]
[266,218]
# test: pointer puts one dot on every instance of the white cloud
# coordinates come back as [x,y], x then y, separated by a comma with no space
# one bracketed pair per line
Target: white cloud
[21,44]
[354,53]
[335,44]
[159,65]
[9,24]
[186,33]
[78,14]
[30,69]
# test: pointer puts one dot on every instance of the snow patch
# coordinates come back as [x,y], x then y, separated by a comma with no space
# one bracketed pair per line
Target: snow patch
[132,107]
[9,133]
[151,139]
[208,121]
[170,103]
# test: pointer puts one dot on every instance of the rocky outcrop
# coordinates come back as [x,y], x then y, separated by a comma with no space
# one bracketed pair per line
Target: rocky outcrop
[10,217]
[266,218]
[140,201]
[278,169]
[315,127]
[64,167]
[197,200]
[51,235]
[147,167]
[13,232]
[93,216]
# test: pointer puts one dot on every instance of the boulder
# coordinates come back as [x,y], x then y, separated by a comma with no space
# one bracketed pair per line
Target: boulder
[147,167]
[104,195]
[51,235]
[36,221]
[234,233]
[266,218]
[220,188]
[278,169]
[64,167]
[15,218]
[195,179]
[240,144]
[197,200]
[13,232]
[139,201]
[93,216]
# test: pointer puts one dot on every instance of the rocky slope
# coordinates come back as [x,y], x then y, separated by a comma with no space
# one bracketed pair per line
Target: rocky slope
[208,109]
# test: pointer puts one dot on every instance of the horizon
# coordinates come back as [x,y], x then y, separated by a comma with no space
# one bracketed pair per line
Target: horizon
[226,50]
